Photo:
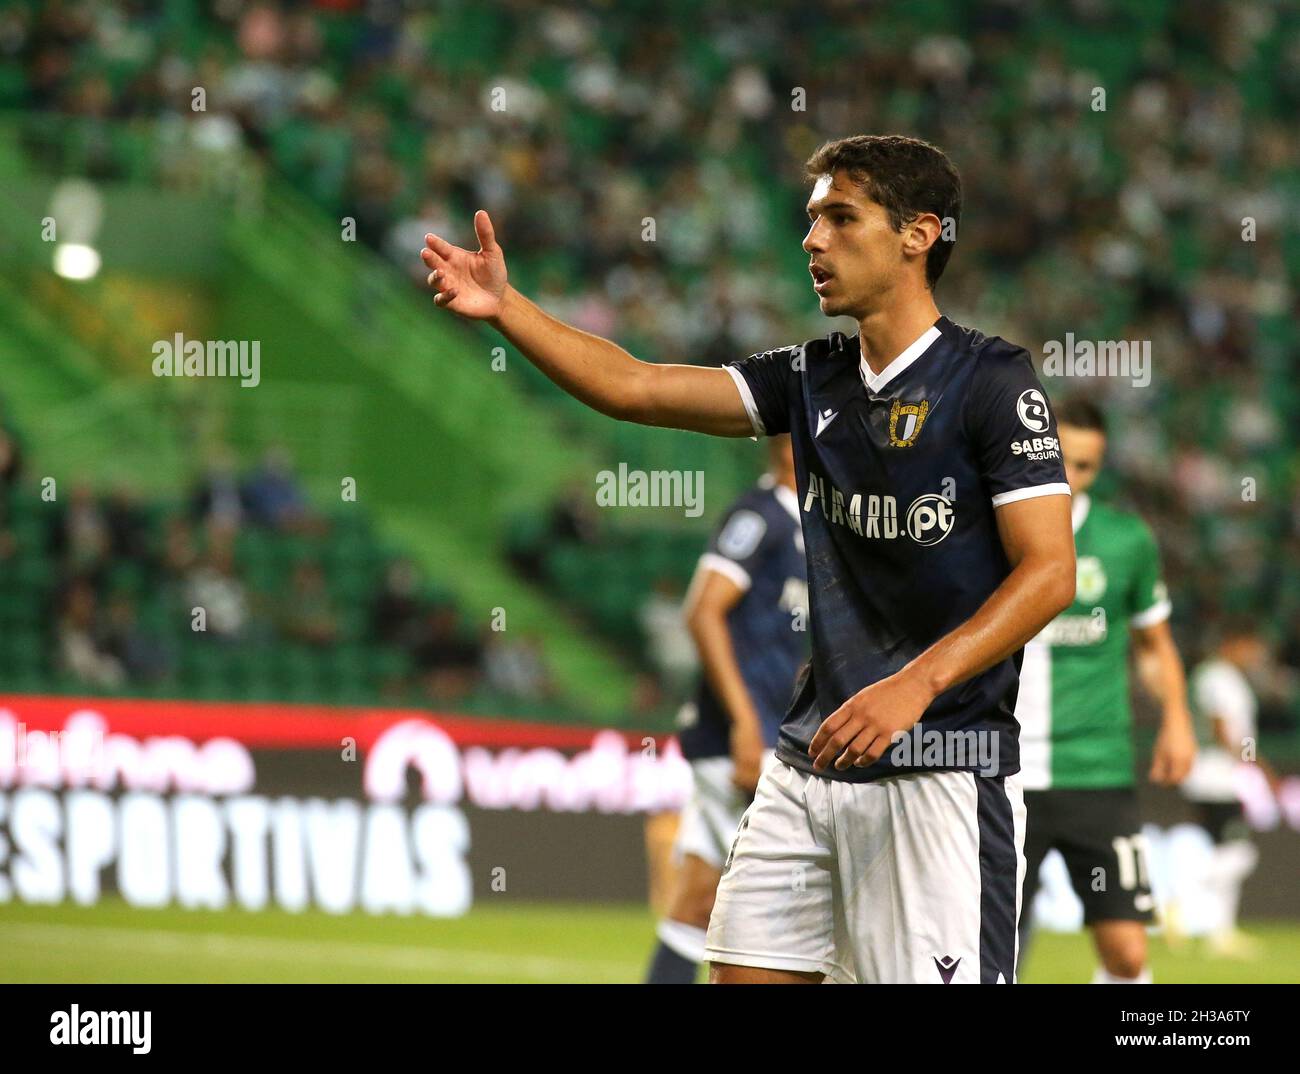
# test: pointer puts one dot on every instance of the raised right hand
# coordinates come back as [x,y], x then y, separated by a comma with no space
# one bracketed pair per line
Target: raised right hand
[469,284]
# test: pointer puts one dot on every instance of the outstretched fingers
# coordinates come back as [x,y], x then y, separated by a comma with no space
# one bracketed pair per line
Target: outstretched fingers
[437,281]
[440,247]
[487,237]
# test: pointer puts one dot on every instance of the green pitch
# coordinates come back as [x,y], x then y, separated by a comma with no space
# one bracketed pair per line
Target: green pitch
[515,943]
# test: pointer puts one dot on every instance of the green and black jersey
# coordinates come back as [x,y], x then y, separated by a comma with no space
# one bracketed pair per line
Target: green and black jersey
[1073,704]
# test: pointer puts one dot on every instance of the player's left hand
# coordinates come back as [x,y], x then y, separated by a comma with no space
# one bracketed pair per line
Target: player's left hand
[1174,752]
[860,730]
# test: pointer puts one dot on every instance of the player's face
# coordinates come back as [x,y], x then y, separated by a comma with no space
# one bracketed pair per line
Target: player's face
[855,255]
[1081,451]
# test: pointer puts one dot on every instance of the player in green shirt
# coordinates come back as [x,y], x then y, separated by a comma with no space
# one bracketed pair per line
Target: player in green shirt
[1076,744]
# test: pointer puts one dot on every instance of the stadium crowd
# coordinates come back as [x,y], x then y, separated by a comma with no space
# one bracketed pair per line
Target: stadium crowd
[645,172]
[129,575]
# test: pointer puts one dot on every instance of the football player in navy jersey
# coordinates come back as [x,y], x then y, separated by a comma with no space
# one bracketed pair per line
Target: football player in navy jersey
[747,611]
[885,841]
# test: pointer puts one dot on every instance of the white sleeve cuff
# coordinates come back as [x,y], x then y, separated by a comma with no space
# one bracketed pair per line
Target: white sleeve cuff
[747,397]
[728,568]
[1157,613]
[1059,488]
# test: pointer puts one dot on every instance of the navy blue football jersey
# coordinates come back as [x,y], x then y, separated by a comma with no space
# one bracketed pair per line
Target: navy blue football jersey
[899,474]
[759,546]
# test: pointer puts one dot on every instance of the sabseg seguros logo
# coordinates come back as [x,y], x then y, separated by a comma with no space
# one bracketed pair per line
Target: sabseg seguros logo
[1031,408]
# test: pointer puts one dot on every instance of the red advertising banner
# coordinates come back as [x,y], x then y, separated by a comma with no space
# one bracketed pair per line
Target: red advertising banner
[209,804]
[223,804]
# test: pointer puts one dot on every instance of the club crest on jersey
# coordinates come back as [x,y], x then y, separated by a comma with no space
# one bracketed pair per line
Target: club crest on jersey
[910,416]
[1090,579]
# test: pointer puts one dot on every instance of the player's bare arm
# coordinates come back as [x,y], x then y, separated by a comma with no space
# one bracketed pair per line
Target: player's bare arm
[593,370]
[1162,673]
[1039,544]
[712,596]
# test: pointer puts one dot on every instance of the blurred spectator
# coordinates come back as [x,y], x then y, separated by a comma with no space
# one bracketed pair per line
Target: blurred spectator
[179,555]
[570,519]
[82,538]
[515,666]
[128,530]
[573,516]
[408,234]
[217,498]
[396,615]
[446,660]
[80,651]
[213,586]
[275,497]
[309,615]
[143,656]
[669,642]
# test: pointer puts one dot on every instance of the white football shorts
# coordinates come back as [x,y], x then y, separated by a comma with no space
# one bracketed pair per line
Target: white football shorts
[915,878]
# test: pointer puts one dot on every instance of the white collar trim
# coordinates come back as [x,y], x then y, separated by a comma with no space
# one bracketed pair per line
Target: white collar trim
[1079,510]
[876,381]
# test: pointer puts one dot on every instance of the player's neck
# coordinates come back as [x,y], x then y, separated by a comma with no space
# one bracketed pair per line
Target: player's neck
[885,334]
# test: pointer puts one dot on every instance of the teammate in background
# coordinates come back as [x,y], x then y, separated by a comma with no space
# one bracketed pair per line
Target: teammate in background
[747,611]
[936,519]
[1225,723]
[1076,733]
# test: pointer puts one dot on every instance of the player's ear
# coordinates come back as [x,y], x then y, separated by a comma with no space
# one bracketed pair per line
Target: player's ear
[921,233]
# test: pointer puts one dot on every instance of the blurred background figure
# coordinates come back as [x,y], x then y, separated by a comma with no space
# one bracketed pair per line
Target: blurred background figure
[274,496]
[1226,722]
[747,613]
[81,652]
[310,616]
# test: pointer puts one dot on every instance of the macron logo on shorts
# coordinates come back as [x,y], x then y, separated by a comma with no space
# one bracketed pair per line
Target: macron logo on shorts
[947,966]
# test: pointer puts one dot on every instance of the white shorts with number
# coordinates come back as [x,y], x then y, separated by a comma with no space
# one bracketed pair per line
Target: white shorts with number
[911,879]
[713,811]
